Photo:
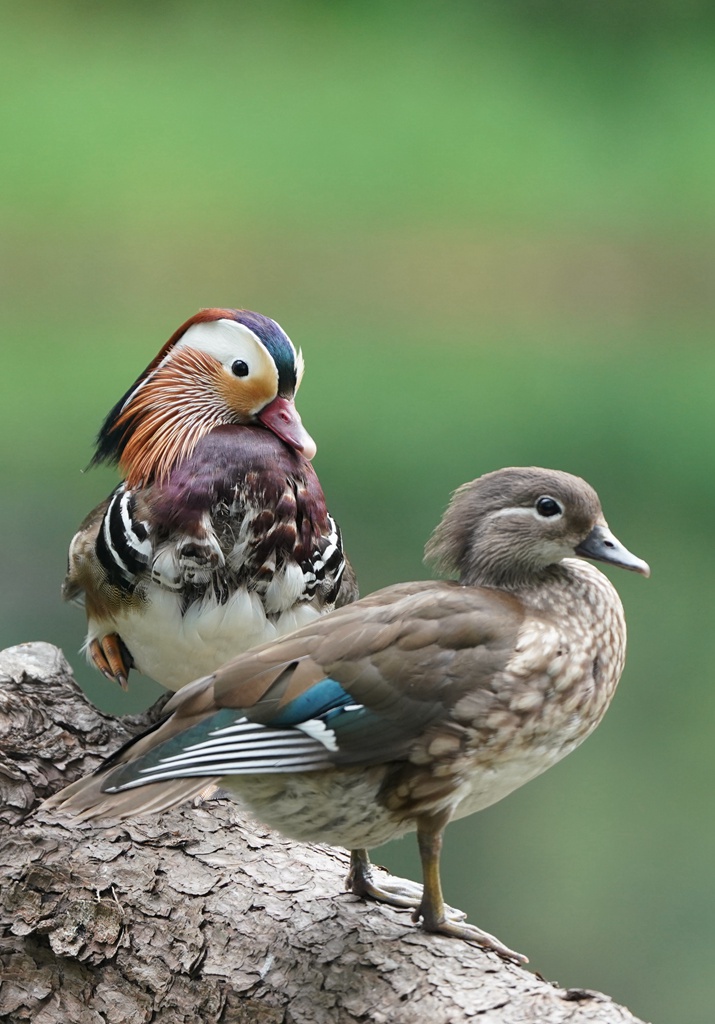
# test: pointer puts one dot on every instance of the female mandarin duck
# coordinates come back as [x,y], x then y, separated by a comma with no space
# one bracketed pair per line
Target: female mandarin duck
[418,704]
[219,537]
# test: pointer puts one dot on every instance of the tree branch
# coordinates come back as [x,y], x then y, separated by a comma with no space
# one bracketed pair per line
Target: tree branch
[199,915]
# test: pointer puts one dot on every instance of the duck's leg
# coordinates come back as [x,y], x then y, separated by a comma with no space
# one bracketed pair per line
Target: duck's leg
[398,892]
[432,911]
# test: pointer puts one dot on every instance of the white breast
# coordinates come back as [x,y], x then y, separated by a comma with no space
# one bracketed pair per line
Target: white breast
[176,648]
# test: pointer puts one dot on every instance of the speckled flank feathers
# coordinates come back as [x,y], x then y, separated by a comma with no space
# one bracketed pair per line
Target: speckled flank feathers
[420,703]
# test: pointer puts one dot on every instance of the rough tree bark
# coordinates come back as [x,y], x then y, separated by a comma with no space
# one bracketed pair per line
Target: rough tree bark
[199,915]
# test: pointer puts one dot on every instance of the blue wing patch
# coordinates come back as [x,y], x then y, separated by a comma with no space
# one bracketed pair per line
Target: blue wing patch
[320,699]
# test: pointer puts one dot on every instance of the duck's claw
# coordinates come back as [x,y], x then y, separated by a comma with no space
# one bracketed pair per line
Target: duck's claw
[112,658]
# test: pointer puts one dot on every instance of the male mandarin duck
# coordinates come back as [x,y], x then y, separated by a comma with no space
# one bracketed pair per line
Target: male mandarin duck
[420,703]
[219,537]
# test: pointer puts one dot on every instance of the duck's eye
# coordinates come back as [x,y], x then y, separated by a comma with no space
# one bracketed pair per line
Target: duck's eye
[548,507]
[239,368]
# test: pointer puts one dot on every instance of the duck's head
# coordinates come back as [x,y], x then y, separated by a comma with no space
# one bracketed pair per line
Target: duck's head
[507,528]
[223,366]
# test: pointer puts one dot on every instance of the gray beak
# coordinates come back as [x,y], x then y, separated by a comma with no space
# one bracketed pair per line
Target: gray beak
[604,547]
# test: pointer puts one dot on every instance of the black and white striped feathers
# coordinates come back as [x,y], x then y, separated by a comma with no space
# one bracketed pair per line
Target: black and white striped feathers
[123,546]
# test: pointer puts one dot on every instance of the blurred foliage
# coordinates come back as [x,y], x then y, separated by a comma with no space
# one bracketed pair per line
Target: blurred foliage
[490,227]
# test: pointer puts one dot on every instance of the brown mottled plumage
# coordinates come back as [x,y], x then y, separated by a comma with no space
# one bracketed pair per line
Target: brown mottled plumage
[418,704]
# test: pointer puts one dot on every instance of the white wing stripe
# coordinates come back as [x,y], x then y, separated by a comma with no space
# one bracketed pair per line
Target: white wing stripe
[158,774]
[232,749]
[236,727]
[247,748]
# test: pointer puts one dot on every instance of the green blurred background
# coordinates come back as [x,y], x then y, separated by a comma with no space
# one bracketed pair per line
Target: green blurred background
[490,226]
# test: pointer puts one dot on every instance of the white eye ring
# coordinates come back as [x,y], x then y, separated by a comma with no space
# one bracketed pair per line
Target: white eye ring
[548,507]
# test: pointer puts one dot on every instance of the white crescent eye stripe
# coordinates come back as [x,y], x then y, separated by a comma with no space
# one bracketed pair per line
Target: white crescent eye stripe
[521,510]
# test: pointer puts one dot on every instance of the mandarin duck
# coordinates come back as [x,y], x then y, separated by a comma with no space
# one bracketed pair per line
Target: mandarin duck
[218,538]
[420,703]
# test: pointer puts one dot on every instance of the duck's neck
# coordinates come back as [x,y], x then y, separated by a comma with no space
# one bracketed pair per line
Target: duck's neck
[515,578]
[571,588]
